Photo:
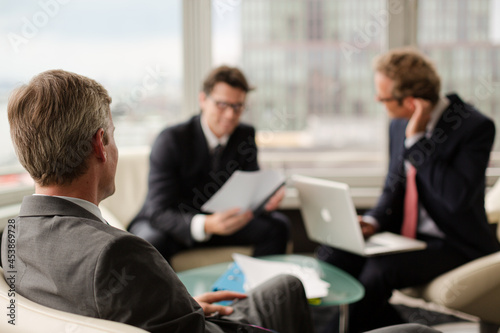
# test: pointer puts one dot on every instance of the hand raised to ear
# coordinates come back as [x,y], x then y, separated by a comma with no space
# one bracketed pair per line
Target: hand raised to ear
[420,118]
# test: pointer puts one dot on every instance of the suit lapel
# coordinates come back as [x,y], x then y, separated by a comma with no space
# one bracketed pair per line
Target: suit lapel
[200,141]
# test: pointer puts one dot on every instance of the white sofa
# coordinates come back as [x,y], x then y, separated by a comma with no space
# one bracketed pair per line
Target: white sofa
[30,317]
[131,189]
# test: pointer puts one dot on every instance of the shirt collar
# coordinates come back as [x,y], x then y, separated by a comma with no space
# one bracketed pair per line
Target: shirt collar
[212,140]
[436,113]
[87,205]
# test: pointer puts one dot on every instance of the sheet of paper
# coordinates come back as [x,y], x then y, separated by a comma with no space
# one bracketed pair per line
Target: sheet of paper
[246,190]
[258,271]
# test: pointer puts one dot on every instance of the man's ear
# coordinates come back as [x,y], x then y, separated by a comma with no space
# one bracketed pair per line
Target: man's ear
[202,99]
[99,147]
[408,103]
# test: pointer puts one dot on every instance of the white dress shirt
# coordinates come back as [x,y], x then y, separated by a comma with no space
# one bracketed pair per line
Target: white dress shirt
[425,225]
[198,221]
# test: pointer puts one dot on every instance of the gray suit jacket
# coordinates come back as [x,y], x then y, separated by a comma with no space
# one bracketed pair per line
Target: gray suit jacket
[67,259]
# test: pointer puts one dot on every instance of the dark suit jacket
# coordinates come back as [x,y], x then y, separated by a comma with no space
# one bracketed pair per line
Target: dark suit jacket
[180,176]
[451,167]
[67,259]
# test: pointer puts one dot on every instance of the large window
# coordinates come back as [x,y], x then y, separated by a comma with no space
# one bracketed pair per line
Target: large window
[309,59]
[311,63]
[134,48]
[465,45]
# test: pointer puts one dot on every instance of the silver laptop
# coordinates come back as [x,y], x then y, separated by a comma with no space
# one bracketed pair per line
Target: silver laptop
[330,218]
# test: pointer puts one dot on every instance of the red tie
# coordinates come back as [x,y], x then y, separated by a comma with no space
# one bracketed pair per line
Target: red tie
[409,228]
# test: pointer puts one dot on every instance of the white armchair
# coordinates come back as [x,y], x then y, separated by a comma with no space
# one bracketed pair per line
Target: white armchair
[473,288]
[31,317]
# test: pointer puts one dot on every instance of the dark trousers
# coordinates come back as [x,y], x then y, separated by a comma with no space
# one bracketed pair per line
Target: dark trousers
[380,275]
[267,233]
[279,304]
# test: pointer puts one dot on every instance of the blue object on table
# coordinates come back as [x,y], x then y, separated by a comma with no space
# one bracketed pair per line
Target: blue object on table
[344,289]
[232,279]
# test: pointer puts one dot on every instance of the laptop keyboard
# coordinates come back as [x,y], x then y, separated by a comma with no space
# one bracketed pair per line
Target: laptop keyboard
[370,244]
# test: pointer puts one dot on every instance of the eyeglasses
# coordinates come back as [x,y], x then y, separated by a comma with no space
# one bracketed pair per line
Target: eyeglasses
[387,99]
[237,107]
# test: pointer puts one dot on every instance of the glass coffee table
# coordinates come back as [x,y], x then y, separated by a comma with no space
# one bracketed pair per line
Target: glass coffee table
[344,289]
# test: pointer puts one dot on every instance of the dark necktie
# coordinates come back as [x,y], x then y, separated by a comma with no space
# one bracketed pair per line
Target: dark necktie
[216,156]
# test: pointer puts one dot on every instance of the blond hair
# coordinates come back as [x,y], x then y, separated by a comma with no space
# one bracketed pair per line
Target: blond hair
[412,72]
[53,120]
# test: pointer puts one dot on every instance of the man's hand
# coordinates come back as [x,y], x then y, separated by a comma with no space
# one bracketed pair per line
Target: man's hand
[205,300]
[228,222]
[275,200]
[366,228]
[420,118]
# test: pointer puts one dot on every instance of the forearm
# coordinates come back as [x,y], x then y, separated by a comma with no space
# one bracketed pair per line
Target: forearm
[175,222]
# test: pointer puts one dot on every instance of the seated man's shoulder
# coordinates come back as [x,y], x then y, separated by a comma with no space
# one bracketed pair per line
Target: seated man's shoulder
[178,131]
[244,130]
[103,235]
[465,110]
[86,233]
[246,127]
[106,245]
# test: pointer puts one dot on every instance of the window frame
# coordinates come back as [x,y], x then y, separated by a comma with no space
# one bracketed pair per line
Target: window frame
[197,47]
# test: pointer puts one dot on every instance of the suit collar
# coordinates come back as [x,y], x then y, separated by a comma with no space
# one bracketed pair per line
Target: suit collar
[437,113]
[51,206]
[446,120]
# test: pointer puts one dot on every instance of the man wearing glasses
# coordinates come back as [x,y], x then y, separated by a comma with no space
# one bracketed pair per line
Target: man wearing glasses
[434,189]
[191,161]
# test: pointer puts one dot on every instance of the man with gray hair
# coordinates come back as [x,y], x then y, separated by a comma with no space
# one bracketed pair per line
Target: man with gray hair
[68,258]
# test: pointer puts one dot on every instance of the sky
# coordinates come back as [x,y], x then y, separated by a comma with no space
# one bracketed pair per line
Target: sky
[116,42]
[110,40]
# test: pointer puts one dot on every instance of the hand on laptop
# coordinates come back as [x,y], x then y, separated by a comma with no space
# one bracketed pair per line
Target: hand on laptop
[367,229]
